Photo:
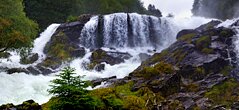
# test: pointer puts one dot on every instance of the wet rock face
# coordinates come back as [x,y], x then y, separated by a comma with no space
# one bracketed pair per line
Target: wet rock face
[16,70]
[4,55]
[64,44]
[201,59]
[29,59]
[100,56]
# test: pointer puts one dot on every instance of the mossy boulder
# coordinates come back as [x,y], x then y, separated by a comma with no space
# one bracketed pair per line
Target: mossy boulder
[199,60]
[122,97]
[29,59]
[63,45]
[16,70]
[4,54]
[100,56]
[224,93]
[27,105]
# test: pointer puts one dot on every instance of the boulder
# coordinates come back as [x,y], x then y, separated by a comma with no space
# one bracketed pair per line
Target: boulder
[99,67]
[64,44]
[100,80]
[200,60]
[100,56]
[144,56]
[17,70]
[33,70]
[4,54]
[29,59]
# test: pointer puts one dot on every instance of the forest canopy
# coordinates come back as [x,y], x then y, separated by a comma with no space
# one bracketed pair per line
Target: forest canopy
[16,30]
[46,12]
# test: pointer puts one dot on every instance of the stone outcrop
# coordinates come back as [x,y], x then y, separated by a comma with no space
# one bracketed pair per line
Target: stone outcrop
[189,72]
[100,56]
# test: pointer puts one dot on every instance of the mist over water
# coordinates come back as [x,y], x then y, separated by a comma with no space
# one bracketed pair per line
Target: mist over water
[179,8]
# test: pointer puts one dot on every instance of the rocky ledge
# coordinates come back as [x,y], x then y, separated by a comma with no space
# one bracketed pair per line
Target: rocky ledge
[195,72]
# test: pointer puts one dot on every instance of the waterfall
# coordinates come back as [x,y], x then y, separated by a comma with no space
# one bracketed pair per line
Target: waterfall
[89,33]
[45,37]
[125,30]
[128,33]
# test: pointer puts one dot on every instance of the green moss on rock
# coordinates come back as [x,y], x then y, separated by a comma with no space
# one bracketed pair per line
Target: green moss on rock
[156,70]
[225,93]
[187,38]
[4,54]
[121,97]
[203,42]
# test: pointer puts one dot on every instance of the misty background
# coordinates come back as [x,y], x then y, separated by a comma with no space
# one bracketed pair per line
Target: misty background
[179,8]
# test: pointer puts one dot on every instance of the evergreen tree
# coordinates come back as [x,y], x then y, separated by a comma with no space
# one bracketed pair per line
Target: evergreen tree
[71,92]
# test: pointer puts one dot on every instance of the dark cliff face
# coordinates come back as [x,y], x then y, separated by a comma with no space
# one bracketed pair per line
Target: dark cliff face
[220,9]
[197,72]
[193,69]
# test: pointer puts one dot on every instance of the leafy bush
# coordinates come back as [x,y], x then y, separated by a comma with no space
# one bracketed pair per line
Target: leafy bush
[16,30]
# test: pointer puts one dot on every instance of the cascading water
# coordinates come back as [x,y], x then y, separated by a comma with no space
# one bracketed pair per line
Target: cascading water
[16,88]
[131,33]
[126,30]
[45,37]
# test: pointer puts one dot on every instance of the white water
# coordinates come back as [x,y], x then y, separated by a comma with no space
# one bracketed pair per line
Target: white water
[228,24]
[89,31]
[45,37]
[17,88]
[20,87]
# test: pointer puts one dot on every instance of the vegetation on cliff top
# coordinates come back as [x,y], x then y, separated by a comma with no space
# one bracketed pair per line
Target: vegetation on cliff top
[46,12]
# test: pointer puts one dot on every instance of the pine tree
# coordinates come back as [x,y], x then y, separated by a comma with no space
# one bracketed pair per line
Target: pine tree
[70,92]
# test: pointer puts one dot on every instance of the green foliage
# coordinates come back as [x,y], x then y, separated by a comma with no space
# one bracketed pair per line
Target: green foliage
[121,97]
[59,48]
[156,70]
[226,70]
[96,58]
[192,87]
[200,70]
[187,38]
[207,50]
[226,33]
[16,30]
[4,55]
[225,93]
[176,105]
[203,42]
[46,12]
[70,92]
[179,55]
[71,18]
